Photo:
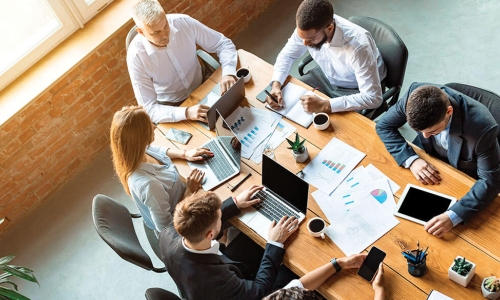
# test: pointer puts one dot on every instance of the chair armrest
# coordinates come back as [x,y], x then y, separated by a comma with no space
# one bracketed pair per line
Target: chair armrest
[392,92]
[208,59]
[303,64]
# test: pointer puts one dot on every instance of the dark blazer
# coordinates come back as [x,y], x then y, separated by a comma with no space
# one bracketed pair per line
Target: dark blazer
[472,148]
[210,276]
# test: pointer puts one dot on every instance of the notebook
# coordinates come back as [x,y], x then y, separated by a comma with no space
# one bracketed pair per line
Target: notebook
[293,109]
[284,194]
[225,164]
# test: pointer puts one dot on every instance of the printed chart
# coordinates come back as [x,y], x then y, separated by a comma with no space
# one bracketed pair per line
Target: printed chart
[379,195]
[332,165]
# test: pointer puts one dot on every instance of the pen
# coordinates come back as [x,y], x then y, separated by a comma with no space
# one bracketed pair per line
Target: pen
[240,182]
[272,97]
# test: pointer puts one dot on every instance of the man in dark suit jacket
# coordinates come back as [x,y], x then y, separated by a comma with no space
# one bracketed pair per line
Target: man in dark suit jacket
[193,259]
[457,129]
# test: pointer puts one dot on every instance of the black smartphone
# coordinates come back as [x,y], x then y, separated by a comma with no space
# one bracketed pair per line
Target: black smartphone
[371,263]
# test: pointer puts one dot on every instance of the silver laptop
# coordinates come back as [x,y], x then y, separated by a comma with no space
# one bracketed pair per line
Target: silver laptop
[225,104]
[225,164]
[284,194]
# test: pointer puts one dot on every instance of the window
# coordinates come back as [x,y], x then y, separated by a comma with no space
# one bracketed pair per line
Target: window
[34,27]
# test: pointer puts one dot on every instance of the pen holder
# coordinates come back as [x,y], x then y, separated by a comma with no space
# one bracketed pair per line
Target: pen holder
[419,269]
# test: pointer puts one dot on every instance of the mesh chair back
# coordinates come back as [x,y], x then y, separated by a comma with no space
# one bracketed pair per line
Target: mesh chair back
[114,225]
[160,294]
[130,36]
[391,47]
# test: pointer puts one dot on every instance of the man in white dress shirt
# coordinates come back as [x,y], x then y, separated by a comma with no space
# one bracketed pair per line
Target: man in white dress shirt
[345,52]
[164,67]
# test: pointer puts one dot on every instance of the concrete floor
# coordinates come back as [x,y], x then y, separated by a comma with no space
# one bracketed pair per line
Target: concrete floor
[447,41]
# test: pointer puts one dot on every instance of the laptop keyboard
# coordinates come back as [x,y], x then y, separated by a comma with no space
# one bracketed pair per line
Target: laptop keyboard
[271,208]
[226,141]
[219,165]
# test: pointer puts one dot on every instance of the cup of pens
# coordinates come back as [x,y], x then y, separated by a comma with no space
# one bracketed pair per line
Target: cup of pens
[417,261]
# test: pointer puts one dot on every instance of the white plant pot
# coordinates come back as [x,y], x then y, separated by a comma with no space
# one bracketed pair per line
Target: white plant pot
[462,280]
[302,157]
[487,294]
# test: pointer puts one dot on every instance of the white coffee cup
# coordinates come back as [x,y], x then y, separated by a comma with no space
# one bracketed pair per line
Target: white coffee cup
[321,121]
[245,73]
[317,227]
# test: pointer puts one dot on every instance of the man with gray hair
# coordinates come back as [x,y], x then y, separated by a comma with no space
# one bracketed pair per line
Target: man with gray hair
[163,65]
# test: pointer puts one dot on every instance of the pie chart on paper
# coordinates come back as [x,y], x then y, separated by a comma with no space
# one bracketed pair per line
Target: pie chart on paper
[380,195]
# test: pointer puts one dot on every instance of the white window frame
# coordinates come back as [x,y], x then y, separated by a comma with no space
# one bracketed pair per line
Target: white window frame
[72,15]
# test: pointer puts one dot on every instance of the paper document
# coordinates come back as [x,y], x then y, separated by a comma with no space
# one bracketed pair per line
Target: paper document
[361,226]
[292,107]
[332,165]
[251,128]
[435,295]
[376,174]
[280,133]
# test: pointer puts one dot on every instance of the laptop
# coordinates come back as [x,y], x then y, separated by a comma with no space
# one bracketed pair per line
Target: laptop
[225,164]
[225,104]
[284,194]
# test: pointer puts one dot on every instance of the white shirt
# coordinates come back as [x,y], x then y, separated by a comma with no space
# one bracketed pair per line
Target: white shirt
[170,74]
[350,60]
[156,190]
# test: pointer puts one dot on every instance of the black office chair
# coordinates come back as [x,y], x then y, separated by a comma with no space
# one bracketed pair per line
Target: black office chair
[210,63]
[488,98]
[160,294]
[394,54]
[114,225]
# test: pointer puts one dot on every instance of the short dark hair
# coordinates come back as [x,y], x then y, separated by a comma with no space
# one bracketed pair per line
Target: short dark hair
[195,214]
[314,14]
[426,107]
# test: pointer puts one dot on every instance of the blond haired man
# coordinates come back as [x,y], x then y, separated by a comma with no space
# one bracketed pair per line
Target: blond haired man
[163,65]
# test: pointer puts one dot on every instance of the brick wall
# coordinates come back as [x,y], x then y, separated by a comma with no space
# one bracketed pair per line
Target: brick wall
[56,135]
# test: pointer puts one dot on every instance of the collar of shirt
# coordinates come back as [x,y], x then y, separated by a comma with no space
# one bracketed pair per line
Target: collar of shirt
[338,37]
[214,248]
[442,137]
[150,48]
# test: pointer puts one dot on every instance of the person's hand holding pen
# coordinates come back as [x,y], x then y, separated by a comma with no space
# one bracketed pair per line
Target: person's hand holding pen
[275,97]
[314,104]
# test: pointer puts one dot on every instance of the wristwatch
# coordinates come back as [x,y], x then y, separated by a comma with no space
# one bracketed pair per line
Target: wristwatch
[335,264]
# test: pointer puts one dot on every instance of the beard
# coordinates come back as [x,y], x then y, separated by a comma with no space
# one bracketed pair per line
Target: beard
[320,44]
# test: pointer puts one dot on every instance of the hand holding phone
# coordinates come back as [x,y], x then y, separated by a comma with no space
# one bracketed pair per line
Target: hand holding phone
[371,263]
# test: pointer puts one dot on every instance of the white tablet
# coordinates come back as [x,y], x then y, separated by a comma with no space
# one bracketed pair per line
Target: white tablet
[419,205]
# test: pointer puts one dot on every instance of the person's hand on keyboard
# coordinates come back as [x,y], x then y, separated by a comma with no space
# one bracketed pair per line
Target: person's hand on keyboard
[193,181]
[197,154]
[243,200]
[279,232]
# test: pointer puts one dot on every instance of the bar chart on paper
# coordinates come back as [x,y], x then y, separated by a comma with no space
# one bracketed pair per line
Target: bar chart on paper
[332,165]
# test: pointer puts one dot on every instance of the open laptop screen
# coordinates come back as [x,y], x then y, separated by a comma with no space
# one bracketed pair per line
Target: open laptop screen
[284,183]
[228,140]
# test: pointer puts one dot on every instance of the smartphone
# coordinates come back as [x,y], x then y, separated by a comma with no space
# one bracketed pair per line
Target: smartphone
[371,263]
[262,95]
[178,136]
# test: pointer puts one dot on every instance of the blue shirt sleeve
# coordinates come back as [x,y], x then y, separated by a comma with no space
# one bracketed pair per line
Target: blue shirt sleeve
[455,219]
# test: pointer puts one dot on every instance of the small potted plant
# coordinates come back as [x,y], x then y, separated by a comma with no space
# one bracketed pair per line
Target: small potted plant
[491,287]
[10,271]
[461,271]
[299,150]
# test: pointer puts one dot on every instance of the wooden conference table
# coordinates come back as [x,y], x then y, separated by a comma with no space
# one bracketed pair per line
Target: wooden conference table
[477,241]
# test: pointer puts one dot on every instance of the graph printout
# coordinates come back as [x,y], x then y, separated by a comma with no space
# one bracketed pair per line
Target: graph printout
[332,165]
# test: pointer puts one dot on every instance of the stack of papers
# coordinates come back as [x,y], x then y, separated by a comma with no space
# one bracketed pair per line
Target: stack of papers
[331,166]
[360,209]
[252,126]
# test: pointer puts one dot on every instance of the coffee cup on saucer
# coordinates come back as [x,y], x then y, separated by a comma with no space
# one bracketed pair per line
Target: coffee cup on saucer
[317,227]
[321,121]
[245,73]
